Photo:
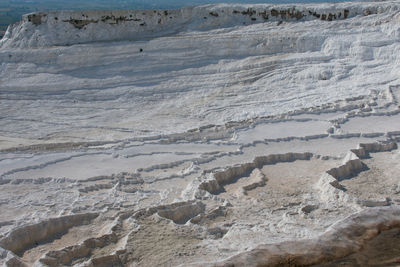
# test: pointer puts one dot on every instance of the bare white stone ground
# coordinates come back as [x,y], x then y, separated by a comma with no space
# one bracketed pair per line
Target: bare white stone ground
[213,141]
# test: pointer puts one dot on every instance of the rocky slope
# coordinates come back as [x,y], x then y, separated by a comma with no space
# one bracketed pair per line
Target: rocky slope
[216,135]
[72,27]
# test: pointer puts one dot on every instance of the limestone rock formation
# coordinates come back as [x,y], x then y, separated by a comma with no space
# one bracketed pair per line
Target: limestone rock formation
[218,135]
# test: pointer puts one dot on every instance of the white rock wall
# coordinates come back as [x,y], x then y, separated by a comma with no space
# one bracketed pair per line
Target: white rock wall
[72,27]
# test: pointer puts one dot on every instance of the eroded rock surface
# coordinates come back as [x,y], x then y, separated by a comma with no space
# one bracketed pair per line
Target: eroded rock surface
[241,136]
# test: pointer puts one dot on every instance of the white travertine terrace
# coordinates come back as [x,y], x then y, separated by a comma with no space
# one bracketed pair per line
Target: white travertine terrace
[212,135]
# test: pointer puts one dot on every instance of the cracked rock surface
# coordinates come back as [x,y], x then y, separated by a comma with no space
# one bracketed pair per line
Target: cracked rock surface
[220,135]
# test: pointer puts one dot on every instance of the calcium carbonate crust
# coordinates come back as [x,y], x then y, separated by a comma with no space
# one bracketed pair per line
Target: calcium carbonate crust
[73,27]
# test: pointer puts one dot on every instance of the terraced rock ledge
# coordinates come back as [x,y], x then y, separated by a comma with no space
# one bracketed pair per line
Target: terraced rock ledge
[230,135]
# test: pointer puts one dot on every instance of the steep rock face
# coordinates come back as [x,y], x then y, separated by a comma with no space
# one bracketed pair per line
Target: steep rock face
[300,63]
[242,128]
[72,27]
